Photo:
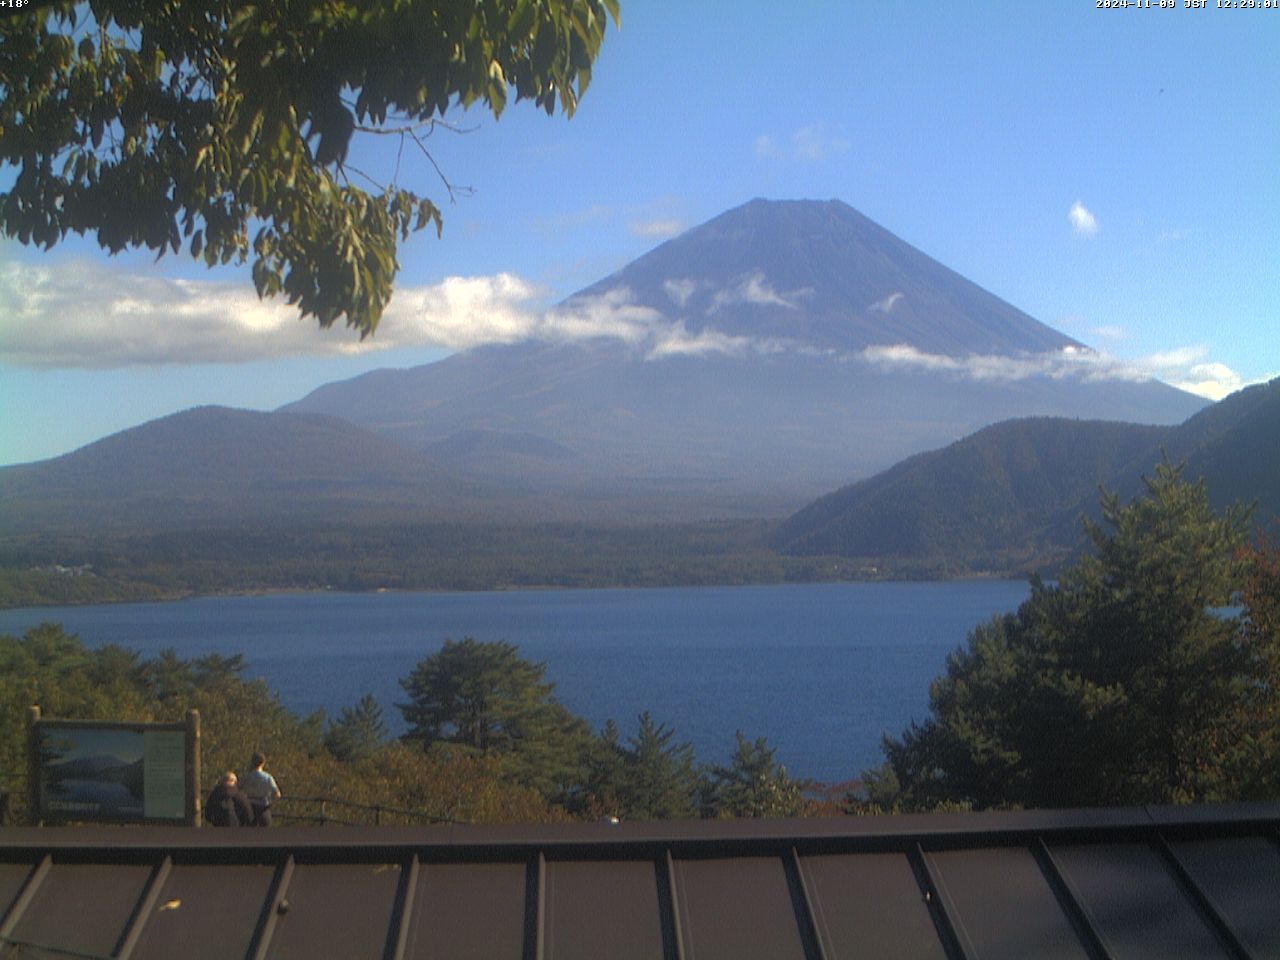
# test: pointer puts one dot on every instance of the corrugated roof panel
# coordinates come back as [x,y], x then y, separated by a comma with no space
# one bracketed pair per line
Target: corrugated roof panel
[81,908]
[206,911]
[12,878]
[1241,878]
[594,909]
[736,907]
[1127,885]
[1134,902]
[870,905]
[340,910]
[468,911]
[1002,907]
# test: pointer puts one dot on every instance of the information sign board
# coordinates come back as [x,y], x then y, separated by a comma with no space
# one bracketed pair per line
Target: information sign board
[114,772]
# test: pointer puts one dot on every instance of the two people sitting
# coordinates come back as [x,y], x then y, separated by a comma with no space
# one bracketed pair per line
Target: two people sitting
[243,802]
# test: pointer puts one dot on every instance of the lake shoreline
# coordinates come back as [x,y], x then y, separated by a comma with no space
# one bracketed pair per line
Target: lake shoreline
[973,577]
[65,569]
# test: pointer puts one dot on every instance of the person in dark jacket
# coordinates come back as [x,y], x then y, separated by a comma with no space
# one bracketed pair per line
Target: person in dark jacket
[227,806]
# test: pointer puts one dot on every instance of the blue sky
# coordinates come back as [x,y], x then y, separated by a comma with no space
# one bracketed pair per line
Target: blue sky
[1111,172]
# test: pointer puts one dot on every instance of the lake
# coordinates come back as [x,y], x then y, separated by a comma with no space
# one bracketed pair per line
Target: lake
[821,670]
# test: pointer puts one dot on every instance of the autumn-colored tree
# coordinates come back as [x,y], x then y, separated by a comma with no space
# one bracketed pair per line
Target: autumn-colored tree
[1260,637]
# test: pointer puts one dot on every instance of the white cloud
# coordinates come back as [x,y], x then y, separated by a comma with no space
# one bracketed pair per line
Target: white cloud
[461,312]
[1212,380]
[754,290]
[661,227]
[1185,368]
[1082,220]
[1110,333]
[767,147]
[1176,235]
[680,290]
[83,315]
[1190,369]
[611,315]
[675,340]
[814,143]
[818,142]
[887,304]
[86,316]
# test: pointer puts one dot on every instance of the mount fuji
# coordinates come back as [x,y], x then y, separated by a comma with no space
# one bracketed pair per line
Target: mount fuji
[772,354]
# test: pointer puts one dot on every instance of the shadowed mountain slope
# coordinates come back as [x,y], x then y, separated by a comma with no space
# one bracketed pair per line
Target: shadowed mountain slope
[1015,491]
[218,465]
[1235,446]
[992,493]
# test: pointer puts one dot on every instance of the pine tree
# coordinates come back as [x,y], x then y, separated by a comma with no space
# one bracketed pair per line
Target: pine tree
[482,698]
[753,785]
[358,732]
[658,777]
[1126,682]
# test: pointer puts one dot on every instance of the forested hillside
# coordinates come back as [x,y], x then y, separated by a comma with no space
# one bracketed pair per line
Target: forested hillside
[1012,495]
[95,567]
[1123,682]
[987,499]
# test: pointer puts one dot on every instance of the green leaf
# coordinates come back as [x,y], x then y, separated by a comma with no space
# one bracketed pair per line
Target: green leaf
[520,23]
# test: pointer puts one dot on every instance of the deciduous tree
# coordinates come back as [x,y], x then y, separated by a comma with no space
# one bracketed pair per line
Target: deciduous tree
[224,127]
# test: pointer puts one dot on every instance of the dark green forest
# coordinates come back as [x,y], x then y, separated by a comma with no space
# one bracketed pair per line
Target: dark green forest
[69,568]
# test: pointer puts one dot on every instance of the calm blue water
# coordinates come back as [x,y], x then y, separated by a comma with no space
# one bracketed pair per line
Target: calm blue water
[822,670]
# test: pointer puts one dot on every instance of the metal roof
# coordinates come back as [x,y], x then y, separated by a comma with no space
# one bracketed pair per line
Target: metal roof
[1134,883]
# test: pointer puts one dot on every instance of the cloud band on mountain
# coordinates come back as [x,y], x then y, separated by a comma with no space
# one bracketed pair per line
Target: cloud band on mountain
[1186,369]
[82,315]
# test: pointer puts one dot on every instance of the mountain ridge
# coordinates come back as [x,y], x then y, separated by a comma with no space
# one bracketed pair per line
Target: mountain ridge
[217,464]
[1015,491]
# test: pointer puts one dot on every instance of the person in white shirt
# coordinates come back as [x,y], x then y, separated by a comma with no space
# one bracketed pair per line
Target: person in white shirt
[260,787]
